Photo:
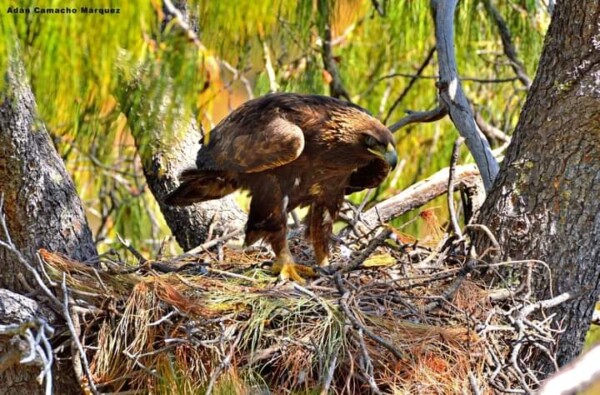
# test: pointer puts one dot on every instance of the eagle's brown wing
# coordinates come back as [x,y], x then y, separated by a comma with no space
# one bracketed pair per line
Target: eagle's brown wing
[245,142]
[368,176]
[251,145]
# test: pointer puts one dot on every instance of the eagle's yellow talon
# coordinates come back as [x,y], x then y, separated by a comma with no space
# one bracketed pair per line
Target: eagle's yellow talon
[293,271]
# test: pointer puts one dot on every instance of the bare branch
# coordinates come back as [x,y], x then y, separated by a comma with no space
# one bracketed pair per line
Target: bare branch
[420,193]
[413,79]
[452,95]
[422,117]
[509,49]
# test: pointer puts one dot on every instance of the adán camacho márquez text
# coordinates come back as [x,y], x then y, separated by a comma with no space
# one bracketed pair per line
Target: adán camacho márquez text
[62,10]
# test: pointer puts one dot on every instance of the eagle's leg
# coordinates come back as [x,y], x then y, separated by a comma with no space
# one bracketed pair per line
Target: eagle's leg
[320,225]
[284,261]
[268,220]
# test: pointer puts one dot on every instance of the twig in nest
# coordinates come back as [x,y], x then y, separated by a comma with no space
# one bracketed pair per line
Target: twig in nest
[132,249]
[211,243]
[367,369]
[224,363]
[373,244]
[232,275]
[451,208]
[357,324]
[474,385]
[488,233]
[329,377]
[449,293]
[136,362]
[75,337]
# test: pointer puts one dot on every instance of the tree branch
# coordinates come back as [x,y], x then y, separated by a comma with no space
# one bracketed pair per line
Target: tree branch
[413,79]
[419,194]
[509,49]
[336,86]
[420,116]
[576,376]
[452,95]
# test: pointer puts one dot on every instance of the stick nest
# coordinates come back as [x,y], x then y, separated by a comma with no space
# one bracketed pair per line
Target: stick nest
[391,316]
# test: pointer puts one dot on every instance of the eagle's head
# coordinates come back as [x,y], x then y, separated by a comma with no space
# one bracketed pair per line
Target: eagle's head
[379,141]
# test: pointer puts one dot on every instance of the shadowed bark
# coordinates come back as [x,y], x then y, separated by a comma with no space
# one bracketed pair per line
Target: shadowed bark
[545,204]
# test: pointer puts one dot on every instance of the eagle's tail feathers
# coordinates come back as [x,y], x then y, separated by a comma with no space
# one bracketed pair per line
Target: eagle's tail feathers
[199,186]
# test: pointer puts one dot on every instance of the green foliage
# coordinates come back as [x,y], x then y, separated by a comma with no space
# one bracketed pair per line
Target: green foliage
[79,65]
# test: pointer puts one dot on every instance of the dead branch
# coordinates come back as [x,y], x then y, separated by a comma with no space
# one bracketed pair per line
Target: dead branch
[576,376]
[420,117]
[507,45]
[452,95]
[419,194]
[450,194]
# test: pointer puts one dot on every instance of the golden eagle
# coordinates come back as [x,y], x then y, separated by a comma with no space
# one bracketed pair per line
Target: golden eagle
[290,150]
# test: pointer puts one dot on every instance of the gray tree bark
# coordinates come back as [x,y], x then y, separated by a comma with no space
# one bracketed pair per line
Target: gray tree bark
[42,210]
[545,204]
[41,206]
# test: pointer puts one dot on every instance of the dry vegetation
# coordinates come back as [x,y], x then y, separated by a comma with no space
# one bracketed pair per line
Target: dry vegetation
[391,316]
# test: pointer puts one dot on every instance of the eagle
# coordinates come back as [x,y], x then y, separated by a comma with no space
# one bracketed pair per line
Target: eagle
[290,150]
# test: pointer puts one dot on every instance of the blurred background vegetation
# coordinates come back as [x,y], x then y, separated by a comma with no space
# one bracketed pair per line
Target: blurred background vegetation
[78,64]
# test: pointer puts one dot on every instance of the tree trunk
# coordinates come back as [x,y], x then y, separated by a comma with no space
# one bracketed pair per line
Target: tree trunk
[41,206]
[165,153]
[545,204]
[42,210]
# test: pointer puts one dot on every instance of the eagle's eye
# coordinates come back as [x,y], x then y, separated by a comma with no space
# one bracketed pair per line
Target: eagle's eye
[370,141]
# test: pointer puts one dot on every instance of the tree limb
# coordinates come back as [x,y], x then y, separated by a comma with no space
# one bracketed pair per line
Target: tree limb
[509,49]
[576,376]
[420,116]
[419,194]
[452,95]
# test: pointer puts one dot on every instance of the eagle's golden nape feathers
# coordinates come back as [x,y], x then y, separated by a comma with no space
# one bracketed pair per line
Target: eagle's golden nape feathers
[291,150]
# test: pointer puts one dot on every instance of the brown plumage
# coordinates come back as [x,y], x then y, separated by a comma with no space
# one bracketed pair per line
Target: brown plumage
[290,150]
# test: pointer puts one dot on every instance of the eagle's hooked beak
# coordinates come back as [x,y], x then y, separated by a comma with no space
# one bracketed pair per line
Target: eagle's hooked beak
[390,156]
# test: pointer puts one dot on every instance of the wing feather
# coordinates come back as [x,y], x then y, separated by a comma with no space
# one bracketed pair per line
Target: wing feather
[252,147]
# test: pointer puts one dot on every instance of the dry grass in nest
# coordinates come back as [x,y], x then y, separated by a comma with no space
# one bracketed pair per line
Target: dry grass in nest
[391,318]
